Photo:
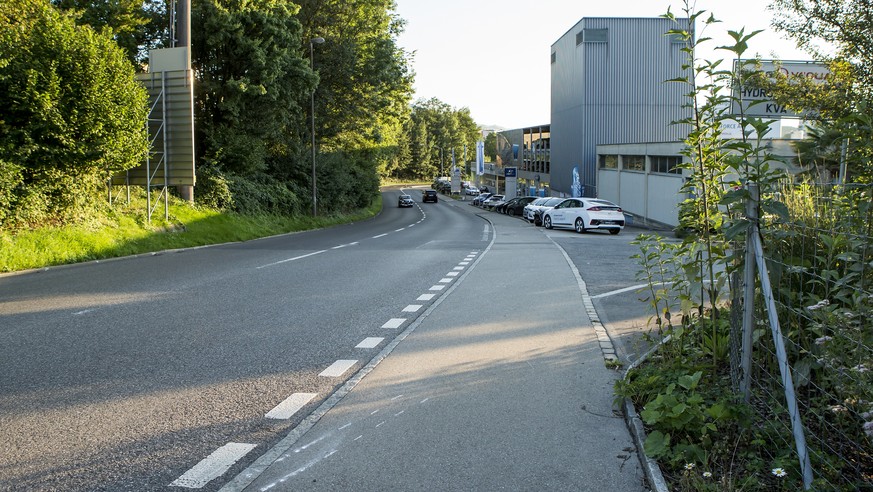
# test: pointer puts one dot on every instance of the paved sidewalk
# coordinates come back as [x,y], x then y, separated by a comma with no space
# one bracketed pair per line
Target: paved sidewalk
[500,386]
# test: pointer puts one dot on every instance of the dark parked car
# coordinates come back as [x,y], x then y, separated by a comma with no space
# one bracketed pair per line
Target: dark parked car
[430,196]
[516,205]
[405,201]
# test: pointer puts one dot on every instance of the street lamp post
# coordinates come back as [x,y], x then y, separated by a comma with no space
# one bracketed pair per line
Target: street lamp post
[312,43]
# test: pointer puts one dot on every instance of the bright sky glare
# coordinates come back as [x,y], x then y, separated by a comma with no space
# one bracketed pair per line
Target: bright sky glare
[492,56]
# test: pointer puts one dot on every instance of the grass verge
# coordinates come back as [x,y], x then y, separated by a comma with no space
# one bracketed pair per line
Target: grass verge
[124,230]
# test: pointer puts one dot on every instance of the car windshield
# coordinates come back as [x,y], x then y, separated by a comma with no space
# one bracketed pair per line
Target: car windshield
[405,197]
[551,202]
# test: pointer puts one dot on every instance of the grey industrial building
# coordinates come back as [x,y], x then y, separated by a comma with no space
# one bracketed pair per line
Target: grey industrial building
[609,86]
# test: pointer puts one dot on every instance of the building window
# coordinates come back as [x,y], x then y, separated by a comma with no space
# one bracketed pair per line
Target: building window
[579,37]
[667,164]
[633,162]
[608,162]
[554,57]
[595,35]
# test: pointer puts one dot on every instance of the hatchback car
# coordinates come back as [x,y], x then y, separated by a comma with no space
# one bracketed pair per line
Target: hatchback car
[405,201]
[429,196]
[584,214]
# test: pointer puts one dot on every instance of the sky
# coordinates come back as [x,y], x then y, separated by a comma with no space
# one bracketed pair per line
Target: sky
[492,56]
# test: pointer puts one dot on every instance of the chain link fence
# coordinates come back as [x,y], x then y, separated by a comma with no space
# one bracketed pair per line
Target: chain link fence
[807,369]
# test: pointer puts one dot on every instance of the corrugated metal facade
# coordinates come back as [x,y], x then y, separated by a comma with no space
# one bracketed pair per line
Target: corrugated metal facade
[612,92]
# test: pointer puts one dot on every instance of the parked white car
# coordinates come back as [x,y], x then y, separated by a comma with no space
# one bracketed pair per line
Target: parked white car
[534,210]
[472,191]
[585,214]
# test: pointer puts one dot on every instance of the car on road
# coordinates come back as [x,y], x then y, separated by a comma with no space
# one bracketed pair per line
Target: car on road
[405,201]
[515,206]
[429,196]
[492,201]
[472,191]
[585,214]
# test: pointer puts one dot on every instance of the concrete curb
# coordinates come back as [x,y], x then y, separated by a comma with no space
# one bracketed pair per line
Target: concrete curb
[638,432]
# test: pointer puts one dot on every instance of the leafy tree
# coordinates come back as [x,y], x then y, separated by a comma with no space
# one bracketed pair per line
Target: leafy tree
[137,25]
[71,113]
[365,82]
[250,75]
[840,106]
[437,131]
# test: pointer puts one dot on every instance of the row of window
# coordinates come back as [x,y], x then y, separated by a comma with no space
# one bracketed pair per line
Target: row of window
[666,164]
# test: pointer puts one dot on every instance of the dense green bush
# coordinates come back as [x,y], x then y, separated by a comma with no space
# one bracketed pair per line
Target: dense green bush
[72,114]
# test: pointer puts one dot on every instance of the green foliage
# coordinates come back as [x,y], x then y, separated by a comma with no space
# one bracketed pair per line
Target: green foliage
[435,131]
[250,75]
[72,114]
[136,25]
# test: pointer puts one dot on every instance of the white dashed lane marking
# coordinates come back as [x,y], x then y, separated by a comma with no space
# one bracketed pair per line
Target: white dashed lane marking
[394,323]
[370,342]
[426,297]
[292,259]
[290,406]
[213,466]
[412,308]
[380,235]
[445,280]
[338,368]
[438,287]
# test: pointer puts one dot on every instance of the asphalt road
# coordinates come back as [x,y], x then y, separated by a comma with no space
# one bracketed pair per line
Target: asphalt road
[131,374]
[124,374]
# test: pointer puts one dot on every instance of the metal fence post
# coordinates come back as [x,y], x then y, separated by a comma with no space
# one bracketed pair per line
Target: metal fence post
[749,293]
[784,367]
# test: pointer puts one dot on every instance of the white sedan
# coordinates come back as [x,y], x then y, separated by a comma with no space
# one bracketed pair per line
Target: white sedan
[584,214]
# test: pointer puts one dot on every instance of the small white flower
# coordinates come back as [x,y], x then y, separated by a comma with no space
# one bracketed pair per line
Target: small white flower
[819,305]
[860,368]
[838,409]
[868,428]
[689,466]
[707,475]
[823,340]
[779,472]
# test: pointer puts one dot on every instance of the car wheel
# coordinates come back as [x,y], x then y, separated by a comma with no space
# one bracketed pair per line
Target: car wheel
[614,231]
[510,212]
[580,225]
[547,222]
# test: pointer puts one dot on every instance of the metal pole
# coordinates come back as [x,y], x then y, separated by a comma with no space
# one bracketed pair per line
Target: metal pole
[312,117]
[749,294]
[312,43]
[782,359]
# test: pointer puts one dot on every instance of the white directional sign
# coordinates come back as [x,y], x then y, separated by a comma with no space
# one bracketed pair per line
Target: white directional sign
[760,103]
